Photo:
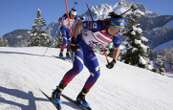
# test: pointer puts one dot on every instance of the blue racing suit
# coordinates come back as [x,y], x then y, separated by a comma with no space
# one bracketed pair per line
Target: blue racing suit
[86,56]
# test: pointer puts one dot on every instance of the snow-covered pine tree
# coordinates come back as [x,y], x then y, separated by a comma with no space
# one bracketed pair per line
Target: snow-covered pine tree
[3,42]
[137,52]
[58,39]
[168,59]
[162,60]
[159,65]
[39,36]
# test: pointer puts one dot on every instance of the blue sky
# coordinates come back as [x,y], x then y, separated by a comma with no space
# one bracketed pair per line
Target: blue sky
[19,14]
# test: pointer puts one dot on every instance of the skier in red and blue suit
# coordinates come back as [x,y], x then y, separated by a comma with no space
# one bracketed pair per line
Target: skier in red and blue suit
[87,36]
[65,28]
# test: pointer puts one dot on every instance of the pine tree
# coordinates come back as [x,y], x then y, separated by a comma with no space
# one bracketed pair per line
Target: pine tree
[3,42]
[163,60]
[159,64]
[137,52]
[57,41]
[39,36]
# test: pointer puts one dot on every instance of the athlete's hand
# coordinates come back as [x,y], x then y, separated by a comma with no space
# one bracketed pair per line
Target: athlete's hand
[73,45]
[111,64]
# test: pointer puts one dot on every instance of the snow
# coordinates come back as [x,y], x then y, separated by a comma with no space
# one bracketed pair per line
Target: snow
[120,10]
[138,41]
[29,32]
[134,49]
[121,6]
[169,24]
[142,60]
[137,29]
[144,39]
[19,36]
[23,71]
[139,12]
[148,12]
[133,33]
[144,47]
[101,11]
[164,46]
[44,34]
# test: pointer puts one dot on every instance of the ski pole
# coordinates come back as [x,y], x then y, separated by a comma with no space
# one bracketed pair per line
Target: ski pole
[67,13]
[106,58]
[133,8]
[89,12]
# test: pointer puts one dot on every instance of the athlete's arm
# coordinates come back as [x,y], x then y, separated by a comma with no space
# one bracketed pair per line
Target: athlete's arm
[116,53]
[116,50]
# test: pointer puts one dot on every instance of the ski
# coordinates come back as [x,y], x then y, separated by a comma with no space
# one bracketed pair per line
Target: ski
[62,58]
[68,59]
[58,107]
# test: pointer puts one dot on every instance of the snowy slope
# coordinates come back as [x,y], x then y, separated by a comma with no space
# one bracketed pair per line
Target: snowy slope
[169,24]
[164,46]
[24,70]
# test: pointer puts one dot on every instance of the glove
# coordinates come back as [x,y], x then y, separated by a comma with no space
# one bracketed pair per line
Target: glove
[110,65]
[73,45]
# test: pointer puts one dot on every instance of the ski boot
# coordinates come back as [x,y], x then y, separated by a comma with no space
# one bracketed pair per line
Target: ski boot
[60,55]
[68,55]
[82,102]
[56,94]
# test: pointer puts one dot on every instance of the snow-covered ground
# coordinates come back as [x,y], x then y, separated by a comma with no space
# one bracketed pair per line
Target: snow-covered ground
[164,46]
[23,71]
[169,75]
[169,24]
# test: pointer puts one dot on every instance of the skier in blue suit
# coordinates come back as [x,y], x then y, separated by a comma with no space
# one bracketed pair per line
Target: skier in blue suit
[87,36]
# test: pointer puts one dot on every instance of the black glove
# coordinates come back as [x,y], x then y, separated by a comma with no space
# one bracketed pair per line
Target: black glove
[110,65]
[73,45]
